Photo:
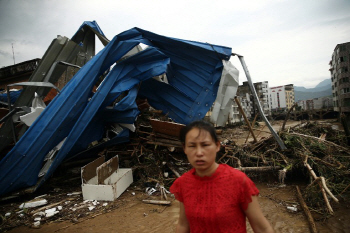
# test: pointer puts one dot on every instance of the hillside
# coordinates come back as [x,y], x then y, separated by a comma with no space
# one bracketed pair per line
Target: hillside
[322,89]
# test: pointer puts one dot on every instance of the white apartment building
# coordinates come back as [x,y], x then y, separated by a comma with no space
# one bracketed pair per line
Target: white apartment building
[281,97]
[247,100]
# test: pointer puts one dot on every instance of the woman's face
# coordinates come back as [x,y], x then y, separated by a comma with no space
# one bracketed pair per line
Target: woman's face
[201,150]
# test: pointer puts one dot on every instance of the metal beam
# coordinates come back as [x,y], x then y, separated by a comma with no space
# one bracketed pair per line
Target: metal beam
[245,68]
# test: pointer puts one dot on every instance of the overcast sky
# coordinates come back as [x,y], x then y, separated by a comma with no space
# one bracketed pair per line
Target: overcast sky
[282,41]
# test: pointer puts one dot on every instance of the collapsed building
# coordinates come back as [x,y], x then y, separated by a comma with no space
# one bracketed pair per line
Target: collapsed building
[181,78]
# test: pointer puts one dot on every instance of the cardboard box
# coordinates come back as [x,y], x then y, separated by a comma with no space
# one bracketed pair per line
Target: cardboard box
[104,181]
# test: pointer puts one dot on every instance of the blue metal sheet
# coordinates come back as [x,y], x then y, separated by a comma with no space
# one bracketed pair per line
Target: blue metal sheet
[92,24]
[124,76]
[192,68]
[13,96]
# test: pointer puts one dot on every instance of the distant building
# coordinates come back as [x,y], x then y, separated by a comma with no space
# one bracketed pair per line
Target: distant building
[339,68]
[247,100]
[19,72]
[316,103]
[282,97]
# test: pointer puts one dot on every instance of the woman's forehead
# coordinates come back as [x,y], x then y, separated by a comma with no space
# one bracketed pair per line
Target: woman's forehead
[198,134]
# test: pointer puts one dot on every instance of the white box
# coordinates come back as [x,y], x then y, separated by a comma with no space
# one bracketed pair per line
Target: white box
[104,181]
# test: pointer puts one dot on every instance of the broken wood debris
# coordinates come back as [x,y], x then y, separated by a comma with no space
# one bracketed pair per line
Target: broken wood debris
[154,163]
[157,202]
[306,210]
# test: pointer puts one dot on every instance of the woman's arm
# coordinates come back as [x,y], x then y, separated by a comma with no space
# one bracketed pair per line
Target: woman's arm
[256,218]
[182,224]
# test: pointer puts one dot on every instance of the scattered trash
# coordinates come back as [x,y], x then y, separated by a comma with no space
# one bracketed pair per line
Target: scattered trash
[105,204]
[33,203]
[50,212]
[150,190]
[292,208]
[41,196]
[91,207]
[104,180]
[75,193]
[37,219]
[41,214]
[36,224]
[7,214]
[133,193]
[59,207]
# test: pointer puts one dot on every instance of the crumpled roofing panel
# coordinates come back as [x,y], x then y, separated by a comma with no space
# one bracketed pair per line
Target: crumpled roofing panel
[193,70]
[13,96]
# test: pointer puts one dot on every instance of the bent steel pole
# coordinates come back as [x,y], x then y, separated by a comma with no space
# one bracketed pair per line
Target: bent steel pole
[277,138]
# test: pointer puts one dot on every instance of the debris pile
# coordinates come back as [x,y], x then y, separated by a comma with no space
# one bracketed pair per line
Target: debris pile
[157,160]
[315,150]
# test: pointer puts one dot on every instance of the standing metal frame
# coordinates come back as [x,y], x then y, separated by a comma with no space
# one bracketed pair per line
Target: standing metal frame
[251,86]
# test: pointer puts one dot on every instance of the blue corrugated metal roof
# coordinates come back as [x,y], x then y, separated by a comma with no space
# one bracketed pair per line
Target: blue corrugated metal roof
[193,70]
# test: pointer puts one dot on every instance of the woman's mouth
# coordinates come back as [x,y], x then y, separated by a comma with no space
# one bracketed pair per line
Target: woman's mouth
[200,162]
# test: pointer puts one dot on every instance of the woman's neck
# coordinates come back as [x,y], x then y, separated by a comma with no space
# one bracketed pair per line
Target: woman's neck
[208,172]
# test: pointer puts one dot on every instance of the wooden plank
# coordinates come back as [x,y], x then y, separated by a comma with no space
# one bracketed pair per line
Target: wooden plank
[156,202]
[168,128]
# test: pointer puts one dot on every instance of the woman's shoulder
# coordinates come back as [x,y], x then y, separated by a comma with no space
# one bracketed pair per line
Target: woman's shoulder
[186,176]
[228,170]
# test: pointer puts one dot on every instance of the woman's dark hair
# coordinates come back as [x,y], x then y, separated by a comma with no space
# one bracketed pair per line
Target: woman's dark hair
[201,125]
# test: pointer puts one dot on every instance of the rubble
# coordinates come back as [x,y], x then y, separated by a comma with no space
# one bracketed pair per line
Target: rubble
[123,145]
[33,203]
[104,108]
[150,161]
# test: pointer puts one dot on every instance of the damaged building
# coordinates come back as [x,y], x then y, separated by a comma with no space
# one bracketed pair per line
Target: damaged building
[99,102]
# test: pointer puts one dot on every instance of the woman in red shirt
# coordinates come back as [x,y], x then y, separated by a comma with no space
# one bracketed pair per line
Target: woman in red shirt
[214,197]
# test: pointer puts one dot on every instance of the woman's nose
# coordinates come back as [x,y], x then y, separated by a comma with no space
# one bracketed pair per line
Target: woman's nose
[199,151]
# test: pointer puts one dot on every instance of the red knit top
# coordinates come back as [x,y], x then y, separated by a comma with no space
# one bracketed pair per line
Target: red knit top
[215,203]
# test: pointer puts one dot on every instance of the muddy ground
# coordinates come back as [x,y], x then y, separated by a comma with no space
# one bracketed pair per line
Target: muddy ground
[129,214]
[132,215]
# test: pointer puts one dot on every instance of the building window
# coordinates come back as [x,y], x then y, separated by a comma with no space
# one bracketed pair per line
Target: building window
[346,102]
[343,59]
[344,69]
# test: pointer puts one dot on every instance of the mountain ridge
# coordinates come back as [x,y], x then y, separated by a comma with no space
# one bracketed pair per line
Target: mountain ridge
[322,89]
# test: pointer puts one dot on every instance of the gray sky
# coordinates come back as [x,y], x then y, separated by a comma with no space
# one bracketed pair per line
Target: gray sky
[282,41]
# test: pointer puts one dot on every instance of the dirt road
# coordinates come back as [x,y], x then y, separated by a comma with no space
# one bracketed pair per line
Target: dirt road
[135,216]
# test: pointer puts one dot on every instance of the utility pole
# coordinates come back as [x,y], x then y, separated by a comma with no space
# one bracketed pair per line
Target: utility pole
[13,54]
